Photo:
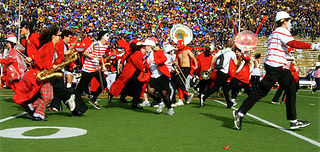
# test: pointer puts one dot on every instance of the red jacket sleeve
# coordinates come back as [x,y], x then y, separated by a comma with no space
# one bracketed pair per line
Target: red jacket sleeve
[299,44]
[137,59]
[159,57]
[60,52]
[44,57]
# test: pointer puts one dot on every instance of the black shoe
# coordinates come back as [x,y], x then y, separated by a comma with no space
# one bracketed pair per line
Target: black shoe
[38,119]
[110,96]
[136,107]
[229,104]
[299,124]
[123,100]
[237,119]
[95,104]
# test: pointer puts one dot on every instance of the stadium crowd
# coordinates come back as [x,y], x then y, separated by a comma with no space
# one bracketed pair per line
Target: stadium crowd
[209,20]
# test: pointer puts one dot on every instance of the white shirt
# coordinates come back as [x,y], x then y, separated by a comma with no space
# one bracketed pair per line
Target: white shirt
[96,50]
[277,47]
[228,55]
[256,70]
[169,62]
[155,72]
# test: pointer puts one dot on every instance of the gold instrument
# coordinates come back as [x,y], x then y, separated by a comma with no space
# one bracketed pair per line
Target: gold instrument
[205,74]
[181,32]
[49,74]
[180,74]
[68,58]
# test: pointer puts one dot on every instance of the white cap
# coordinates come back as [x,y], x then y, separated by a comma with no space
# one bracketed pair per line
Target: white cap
[11,38]
[150,42]
[168,48]
[317,64]
[106,36]
[282,15]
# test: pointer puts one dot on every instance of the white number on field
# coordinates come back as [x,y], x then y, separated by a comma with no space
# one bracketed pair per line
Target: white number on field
[64,132]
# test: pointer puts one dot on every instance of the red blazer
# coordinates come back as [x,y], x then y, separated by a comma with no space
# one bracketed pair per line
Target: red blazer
[204,62]
[134,62]
[32,45]
[159,60]
[60,51]
[43,59]
[244,74]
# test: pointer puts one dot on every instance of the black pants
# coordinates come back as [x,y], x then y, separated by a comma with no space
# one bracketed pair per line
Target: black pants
[85,81]
[160,85]
[255,80]
[273,75]
[173,83]
[236,85]
[133,88]
[181,84]
[204,85]
[279,93]
[318,85]
[220,82]
[60,93]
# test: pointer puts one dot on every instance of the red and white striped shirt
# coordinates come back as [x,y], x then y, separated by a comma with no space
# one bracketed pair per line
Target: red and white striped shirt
[277,47]
[96,50]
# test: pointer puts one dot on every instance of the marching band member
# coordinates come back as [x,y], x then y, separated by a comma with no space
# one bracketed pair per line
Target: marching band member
[128,79]
[91,68]
[185,60]
[277,49]
[223,73]
[159,75]
[204,60]
[32,94]
[14,65]
[30,41]
[242,77]
[256,72]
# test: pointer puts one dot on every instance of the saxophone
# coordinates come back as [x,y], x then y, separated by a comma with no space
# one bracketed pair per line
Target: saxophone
[51,73]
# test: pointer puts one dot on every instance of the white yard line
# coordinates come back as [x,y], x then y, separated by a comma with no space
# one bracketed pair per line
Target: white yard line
[12,117]
[278,127]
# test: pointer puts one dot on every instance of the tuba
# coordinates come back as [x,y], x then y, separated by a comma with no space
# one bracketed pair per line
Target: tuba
[205,74]
[181,32]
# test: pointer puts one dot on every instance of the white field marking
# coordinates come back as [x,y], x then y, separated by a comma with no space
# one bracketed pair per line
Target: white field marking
[311,104]
[12,117]
[310,97]
[278,127]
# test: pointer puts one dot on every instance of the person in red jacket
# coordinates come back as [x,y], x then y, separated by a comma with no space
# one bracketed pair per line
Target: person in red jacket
[30,41]
[159,75]
[128,79]
[14,65]
[242,77]
[32,94]
[204,60]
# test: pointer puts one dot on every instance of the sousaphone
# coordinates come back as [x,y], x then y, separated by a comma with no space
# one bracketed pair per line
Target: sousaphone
[181,32]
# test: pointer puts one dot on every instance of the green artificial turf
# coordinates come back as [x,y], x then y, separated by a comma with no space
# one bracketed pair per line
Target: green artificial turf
[116,127]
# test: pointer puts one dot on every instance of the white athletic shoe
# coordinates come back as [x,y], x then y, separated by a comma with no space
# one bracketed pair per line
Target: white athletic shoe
[174,105]
[180,103]
[145,104]
[190,98]
[170,112]
[71,103]
[234,102]
[160,108]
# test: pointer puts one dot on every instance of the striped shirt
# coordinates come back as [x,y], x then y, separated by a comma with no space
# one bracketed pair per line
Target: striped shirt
[277,47]
[96,50]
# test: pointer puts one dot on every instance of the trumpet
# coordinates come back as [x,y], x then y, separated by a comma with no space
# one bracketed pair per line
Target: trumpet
[205,74]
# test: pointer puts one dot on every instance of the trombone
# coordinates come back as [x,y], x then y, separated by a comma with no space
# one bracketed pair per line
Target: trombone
[180,74]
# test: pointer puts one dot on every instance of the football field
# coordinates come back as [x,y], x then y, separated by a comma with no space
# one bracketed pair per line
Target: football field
[116,127]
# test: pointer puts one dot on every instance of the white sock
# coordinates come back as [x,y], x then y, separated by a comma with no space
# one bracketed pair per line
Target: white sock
[69,85]
[241,114]
[294,121]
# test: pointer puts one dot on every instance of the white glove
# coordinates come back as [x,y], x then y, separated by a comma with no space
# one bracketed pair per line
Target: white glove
[96,60]
[315,46]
